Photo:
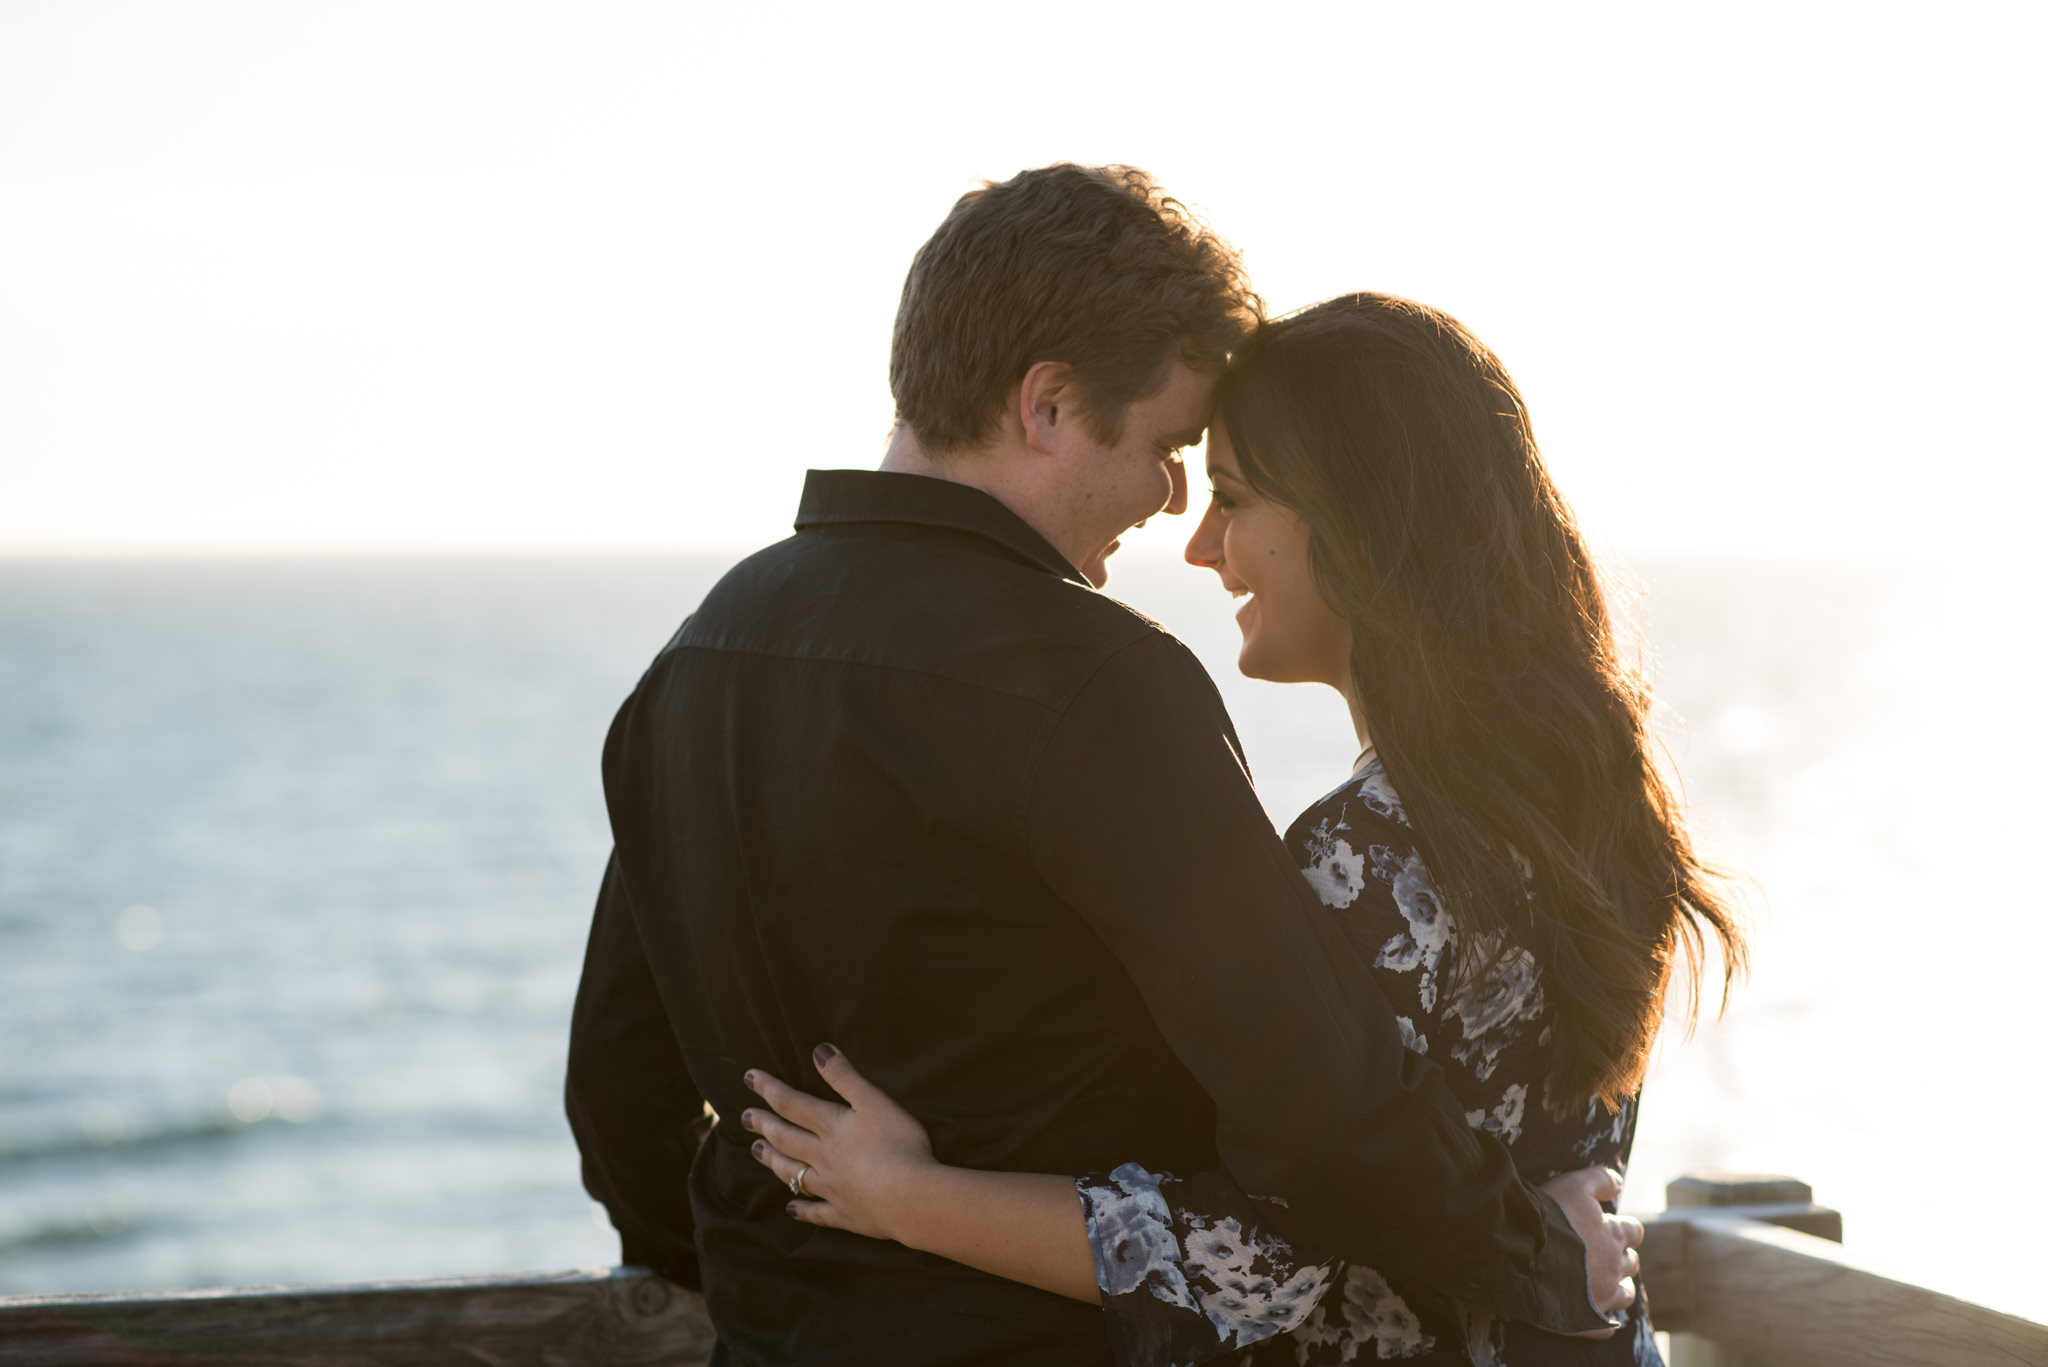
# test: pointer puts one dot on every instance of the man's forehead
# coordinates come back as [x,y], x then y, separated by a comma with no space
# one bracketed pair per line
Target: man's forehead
[1201,420]
[1188,401]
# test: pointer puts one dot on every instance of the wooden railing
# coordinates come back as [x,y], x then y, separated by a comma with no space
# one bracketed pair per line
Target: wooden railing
[1742,1270]
[625,1316]
[1747,1271]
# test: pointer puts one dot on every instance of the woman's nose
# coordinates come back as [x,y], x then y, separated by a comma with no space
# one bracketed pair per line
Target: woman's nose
[1205,547]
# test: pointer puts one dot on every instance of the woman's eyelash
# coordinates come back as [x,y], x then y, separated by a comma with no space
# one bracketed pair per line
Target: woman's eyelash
[1220,499]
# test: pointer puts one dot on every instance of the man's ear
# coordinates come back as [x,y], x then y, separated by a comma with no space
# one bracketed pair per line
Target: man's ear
[1046,398]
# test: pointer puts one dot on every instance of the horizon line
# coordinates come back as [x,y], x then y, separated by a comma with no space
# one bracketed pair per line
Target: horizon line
[1839,552]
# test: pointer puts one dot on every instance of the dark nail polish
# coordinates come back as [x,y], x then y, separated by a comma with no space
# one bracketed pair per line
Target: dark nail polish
[790,1210]
[760,1147]
[824,1054]
[746,1120]
[749,1079]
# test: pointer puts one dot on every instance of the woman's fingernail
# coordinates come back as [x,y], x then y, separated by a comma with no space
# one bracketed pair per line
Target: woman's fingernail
[748,1078]
[746,1120]
[824,1054]
[790,1210]
[760,1147]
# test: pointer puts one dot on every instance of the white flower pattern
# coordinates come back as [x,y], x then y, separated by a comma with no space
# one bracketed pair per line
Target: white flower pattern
[1492,1010]
[1422,946]
[1130,1231]
[1367,1315]
[1334,870]
[1505,1119]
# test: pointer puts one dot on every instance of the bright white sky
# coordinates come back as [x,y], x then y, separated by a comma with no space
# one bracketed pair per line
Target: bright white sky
[425,275]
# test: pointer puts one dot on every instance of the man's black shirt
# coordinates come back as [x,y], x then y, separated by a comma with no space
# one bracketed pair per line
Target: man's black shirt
[906,783]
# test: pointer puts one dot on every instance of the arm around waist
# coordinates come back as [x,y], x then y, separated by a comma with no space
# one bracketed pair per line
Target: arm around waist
[1142,818]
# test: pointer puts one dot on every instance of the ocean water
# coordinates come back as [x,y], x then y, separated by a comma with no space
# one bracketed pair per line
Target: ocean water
[296,860]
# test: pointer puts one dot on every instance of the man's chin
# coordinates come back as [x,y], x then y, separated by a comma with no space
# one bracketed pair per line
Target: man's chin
[1096,568]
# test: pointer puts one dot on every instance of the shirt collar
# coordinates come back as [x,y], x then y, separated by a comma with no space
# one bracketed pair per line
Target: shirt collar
[834,497]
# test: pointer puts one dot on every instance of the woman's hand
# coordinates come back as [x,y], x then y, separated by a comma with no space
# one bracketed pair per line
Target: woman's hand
[867,1167]
[1611,1240]
[862,1163]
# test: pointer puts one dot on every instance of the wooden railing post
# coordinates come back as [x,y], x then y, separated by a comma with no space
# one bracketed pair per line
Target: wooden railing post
[1789,1202]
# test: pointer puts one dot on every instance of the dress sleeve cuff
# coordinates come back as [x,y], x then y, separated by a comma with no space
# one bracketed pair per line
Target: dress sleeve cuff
[1187,1270]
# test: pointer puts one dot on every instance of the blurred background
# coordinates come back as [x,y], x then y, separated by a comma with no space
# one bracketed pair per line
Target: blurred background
[380,384]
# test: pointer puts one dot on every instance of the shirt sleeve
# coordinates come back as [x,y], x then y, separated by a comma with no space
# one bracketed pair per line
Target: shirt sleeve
[637,1115]
[1190,1270]
[1142,818]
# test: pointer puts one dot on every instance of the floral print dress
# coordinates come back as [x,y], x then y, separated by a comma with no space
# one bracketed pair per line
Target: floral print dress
[1192,1270]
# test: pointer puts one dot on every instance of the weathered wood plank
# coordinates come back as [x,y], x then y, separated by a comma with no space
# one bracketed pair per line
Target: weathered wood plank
[1770,1197]
[1667,1251]
[622,1316]
[1786,1297]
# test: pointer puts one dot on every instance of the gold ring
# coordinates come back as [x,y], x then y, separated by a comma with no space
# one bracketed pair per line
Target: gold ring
[796,1183]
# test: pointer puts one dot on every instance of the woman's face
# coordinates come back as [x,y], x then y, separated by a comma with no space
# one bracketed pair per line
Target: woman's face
[1259,549]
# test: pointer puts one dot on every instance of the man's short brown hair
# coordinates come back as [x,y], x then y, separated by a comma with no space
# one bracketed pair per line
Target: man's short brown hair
[1089,265]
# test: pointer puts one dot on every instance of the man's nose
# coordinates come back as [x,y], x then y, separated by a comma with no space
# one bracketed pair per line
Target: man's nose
[1177,502]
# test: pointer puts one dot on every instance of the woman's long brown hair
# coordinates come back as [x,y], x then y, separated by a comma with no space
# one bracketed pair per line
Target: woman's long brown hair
[1514,729]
